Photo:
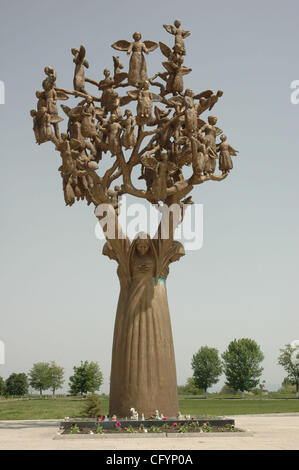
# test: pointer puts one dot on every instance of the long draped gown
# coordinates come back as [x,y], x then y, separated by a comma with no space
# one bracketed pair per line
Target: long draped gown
[143,372]
[137,67]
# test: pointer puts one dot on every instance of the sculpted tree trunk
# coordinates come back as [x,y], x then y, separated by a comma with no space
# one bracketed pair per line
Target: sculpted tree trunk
[143,372]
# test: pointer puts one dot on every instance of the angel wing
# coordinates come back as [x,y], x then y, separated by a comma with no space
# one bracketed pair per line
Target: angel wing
[61,96]
[169,28]
[232,151]
[82,52]
[119,77]
[160,114]
[133,94]
[166,51]
[150,45]
[203,94]
[185,34]
[218,131]
[156,97]
[71,113]
[125,100]
[214,99]
[54,119]
[149,162]
[168,66]
[176,100]
[185,70]
[66,109]
[121,45]
[75,51]
[200,123]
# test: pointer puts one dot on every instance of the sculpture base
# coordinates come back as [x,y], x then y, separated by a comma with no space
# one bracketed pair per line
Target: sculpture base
[108,424]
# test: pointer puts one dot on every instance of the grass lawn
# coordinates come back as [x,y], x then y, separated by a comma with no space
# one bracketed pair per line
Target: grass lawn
[44,408]
[57,409]
[236,406]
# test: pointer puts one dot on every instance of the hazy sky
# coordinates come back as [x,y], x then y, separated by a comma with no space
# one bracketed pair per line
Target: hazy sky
[59,295]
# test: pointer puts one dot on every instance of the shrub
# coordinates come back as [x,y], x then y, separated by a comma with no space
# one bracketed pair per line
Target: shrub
[92,406]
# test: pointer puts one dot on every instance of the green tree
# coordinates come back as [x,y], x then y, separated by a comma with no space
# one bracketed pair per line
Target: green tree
[241,364]
[16,384]
[87,378]
[40,376]
[206,367]
[2,386]
[189,388]
[289,360]
[56,377]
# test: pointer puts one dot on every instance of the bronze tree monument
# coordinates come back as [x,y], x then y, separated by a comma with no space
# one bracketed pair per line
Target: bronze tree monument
[166,134]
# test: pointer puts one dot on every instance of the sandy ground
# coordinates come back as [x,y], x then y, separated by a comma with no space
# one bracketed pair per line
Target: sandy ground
[280,431]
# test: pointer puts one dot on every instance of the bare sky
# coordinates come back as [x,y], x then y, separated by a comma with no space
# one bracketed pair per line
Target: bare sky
[59,295]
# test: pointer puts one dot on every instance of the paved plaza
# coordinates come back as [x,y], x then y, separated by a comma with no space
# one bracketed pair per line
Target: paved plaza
[279,431]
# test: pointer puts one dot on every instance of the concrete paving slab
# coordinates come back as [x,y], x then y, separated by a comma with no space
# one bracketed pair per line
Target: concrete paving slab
[275,432]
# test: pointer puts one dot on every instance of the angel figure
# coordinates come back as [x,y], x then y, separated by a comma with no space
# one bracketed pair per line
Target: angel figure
[107,86]
[88,128]
[161,168]
[207,100]
[82,181]
[179,34]
[118,66]
[175,70]
[128,139]
[137,66]
[190,112]
[145,99]
[200,159]
[74,122]
[50,97]
[102,128]
[79,75]
[164,127]
[67,169]
[226,150]
[42,125]
[114,132]
[211,132]
[64,148]
[115,198]
[109,81]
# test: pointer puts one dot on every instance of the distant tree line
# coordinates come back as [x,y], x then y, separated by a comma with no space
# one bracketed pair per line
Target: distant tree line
[43,376]
[241,364]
